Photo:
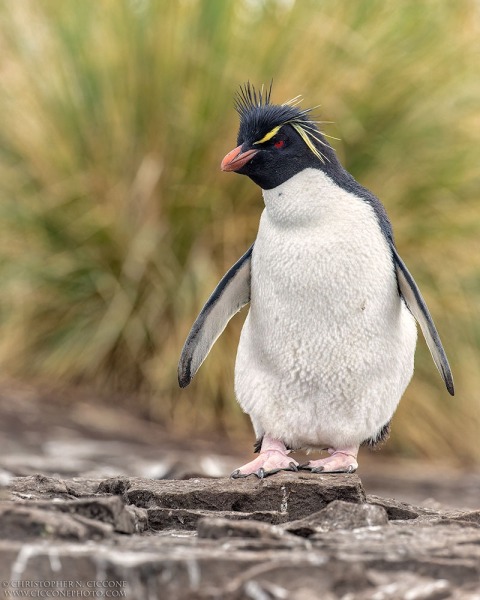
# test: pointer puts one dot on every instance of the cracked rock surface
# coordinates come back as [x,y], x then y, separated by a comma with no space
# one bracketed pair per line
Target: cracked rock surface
[292,535]
[91,494]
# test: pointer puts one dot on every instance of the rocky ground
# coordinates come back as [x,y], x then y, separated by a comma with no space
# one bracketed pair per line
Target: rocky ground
[95,503]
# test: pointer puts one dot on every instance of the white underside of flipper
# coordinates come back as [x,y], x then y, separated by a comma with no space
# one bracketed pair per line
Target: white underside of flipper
[231,295]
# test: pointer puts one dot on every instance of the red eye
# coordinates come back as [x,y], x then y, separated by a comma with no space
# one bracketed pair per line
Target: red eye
[279,144]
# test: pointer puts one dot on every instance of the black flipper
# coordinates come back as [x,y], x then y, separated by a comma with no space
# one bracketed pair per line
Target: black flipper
[230,295]
[416,304]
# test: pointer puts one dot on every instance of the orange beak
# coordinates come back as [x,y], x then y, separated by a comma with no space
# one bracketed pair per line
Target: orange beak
[236,159]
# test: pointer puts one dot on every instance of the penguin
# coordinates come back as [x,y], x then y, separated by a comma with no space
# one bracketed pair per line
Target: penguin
[327,348]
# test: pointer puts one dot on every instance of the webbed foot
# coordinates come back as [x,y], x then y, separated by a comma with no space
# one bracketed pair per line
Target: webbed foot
[273,458]
[343,460]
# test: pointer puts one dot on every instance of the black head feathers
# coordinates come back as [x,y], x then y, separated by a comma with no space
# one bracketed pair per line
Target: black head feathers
[247,98]
[277,142]
[260,120]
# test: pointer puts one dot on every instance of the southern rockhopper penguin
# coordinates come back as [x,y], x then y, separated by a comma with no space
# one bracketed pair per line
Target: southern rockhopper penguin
[327,348]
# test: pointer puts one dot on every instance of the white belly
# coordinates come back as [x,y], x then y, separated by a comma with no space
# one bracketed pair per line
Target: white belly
[327,348]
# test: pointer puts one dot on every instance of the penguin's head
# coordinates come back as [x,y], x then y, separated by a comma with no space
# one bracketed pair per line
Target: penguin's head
[275,142]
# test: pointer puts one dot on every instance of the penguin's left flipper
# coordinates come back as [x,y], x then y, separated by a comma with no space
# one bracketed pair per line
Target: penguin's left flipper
[230,295]
[417,306]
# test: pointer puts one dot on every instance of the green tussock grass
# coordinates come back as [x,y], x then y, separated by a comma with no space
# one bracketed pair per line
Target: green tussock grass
[116,223]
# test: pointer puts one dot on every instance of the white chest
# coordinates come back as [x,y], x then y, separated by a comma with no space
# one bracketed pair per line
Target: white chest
[320,258]
[327,333]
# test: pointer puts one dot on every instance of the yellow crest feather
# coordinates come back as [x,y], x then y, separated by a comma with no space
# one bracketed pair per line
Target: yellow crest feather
[269,135]
[306,138]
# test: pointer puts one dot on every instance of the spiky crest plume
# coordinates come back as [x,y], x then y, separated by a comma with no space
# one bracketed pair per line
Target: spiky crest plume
[248,98]
[258,118]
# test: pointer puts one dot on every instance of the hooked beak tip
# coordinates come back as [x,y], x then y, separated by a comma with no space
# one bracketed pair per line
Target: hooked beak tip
[236,159]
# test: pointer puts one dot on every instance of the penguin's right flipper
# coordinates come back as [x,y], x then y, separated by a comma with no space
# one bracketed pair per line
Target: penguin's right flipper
[230,295]
[417,306]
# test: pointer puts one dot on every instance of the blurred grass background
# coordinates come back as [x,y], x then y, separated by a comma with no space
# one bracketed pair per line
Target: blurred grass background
[116,222]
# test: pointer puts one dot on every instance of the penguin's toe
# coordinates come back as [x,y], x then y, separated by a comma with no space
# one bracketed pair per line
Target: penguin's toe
[267,463]
[237,474]
[340,461]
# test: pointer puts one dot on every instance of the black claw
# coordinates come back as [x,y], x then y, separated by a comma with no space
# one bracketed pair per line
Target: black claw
[305,466]
[260,473]
[237,474]
[317,469]
[351,469]
[293,466]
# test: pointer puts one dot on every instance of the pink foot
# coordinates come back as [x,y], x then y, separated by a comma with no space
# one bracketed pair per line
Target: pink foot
[341,461]
[273,457]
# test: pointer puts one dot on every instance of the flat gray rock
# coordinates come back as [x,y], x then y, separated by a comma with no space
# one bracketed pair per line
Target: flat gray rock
[216,528]
[339,515]
[297,536]
[292,494]
[27,522]
[187,518]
